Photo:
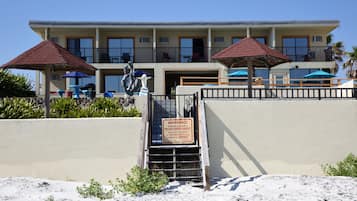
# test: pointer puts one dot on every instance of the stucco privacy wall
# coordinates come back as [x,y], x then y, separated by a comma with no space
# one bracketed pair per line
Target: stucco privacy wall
[69,149]
[279,137]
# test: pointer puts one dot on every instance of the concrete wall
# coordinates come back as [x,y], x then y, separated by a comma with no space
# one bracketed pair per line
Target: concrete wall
[279,137]
[69,149]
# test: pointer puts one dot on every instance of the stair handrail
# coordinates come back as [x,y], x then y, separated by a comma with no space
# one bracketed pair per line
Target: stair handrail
[204,145]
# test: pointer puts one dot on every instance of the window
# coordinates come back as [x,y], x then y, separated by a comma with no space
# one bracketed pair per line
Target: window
[317,39]
[279,80]
[236,39]
[259,39]
[85,81]
[121,50]
[113,83]
[144,40]
[296,48]
[191,50]
[163,39]
[81,47]
[219,39]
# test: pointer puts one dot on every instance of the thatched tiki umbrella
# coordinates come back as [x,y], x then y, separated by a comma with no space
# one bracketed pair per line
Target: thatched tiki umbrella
[250,53]
[47,56]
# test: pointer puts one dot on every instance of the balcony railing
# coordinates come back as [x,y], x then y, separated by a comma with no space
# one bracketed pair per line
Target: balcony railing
[321,53]
[279,93]
[181,54]
[186,54]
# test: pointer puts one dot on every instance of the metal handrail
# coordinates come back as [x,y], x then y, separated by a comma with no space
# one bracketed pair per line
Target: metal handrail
[279,93]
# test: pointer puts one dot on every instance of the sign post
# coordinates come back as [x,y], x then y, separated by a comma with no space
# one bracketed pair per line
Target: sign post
[178,131]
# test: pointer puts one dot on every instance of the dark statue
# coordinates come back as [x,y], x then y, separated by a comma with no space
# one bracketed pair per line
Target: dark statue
[129,82]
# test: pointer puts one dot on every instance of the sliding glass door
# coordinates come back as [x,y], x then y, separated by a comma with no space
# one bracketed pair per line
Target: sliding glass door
[81,47]
[192,50]
[296,48]
[121,50]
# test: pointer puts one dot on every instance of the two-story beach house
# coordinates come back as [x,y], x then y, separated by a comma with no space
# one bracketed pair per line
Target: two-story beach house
[168,51]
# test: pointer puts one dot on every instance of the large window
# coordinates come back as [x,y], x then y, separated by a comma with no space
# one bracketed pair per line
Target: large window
[236,39]
[81,47]
[296,48]
[121,50]
[191,50]
[84,82]
[113,83]
[259,39]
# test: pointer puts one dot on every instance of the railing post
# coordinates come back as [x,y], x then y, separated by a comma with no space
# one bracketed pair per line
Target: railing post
[260,93]
[319,94]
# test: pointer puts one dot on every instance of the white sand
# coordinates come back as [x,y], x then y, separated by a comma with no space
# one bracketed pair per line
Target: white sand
[267,188]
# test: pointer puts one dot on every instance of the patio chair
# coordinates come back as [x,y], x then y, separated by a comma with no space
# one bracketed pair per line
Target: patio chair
[108,94]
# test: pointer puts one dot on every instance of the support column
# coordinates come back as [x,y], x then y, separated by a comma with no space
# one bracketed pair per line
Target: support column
[248,32]
[37,83]
[97,81]
[97,37]
[96,52]
[68,81]
[47,92]
[154,45]
[39,80]
[272,38]
[209,44]
[47,34]
[250,78]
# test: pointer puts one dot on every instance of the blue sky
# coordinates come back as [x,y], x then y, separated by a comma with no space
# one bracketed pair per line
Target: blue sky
[16,36]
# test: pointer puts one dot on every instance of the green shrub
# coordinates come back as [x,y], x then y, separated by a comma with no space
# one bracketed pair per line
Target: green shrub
[109,107]
[347,167]
[95,189]
[19,108]
[140,181]
[64,108]
[14,85]
[106,104]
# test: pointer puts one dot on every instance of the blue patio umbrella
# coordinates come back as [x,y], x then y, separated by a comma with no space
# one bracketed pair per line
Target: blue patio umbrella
[319,74]
[238,73]
[75,75]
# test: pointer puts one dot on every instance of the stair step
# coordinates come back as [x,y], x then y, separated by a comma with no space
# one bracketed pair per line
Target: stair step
[182,154]
[174,170]
[186,177]
[173,146]
[170,162]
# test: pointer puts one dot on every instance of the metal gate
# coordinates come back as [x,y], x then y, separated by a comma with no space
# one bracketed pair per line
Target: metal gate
[170,106]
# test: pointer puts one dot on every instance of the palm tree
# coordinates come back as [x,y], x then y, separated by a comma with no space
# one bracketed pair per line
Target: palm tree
[337,50]
[351,63]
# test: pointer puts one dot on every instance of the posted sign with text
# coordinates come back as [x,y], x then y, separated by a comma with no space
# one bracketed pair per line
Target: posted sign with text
[177,131]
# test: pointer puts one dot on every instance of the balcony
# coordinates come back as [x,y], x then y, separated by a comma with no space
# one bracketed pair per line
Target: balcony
[320,53]
[181,54]
[186,55]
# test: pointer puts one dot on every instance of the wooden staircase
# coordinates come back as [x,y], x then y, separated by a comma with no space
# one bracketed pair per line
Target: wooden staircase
[185,163]
[179,163]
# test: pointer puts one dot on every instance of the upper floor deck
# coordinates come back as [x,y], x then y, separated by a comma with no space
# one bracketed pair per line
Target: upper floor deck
[184,42]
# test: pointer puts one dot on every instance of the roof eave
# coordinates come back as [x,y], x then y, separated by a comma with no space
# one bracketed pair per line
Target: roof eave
[59,24]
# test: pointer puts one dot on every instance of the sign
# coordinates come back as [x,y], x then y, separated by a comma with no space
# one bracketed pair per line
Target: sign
[177,131]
